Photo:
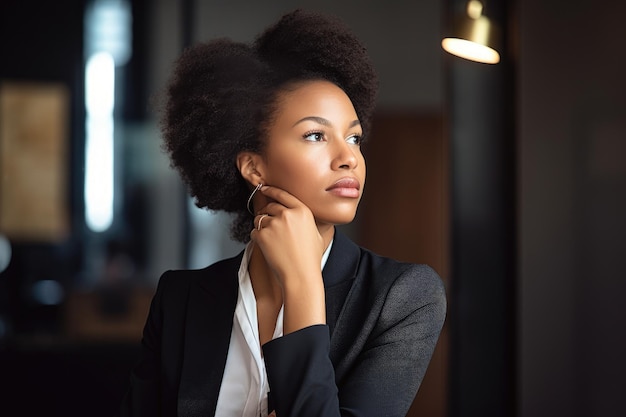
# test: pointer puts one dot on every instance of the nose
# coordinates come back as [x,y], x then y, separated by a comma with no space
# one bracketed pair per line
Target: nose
[345,156]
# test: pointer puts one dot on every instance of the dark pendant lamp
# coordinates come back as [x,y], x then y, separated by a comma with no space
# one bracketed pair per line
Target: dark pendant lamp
[473,36]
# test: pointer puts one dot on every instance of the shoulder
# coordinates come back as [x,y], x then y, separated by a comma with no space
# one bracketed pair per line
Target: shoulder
[402,287]
[184,276]
[176,283]
[378,277]
[387,272]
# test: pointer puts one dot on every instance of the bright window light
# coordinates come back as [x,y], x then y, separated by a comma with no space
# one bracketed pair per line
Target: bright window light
[108,33]
[99,164]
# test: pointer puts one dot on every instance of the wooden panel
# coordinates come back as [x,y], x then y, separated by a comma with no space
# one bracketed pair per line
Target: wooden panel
[34,122]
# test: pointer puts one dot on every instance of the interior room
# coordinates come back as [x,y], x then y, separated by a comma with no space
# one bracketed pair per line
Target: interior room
[508,178]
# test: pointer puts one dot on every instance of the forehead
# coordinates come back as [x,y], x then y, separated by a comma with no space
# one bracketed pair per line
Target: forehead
[314,98]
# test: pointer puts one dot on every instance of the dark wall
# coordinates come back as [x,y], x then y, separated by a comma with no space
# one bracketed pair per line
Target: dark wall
[31,35]
[572,208]
[43,43]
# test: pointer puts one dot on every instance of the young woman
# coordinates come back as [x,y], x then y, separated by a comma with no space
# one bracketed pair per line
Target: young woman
[303,322]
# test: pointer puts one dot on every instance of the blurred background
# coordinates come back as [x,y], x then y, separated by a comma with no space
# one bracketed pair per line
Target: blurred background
[509,179]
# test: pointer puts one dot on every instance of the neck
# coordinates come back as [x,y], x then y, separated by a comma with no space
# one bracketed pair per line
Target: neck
[327,231]
[264,284]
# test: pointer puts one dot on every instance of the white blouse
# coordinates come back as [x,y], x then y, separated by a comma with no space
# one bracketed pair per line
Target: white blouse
[244,388]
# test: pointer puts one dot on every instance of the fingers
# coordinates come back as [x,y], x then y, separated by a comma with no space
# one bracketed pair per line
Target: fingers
[279,200]
[284,214]
[281,196]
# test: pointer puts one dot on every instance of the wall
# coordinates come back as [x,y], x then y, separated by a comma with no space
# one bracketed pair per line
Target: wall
[402,38]
[572,189]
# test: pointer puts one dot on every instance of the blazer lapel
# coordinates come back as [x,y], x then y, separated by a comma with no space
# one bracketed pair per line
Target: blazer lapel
[339,273]
[210,310]
[347,300]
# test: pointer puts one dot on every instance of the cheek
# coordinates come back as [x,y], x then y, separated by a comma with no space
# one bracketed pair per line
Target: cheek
[362,165]
[289,172]
[303,177]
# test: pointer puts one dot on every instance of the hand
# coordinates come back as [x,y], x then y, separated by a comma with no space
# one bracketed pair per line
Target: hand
[272,414]
[286,233]
[293,248]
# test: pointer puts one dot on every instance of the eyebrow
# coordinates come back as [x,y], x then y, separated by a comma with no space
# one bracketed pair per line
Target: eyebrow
[323,121]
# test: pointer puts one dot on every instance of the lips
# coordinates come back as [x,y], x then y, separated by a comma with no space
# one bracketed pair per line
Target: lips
[345,187]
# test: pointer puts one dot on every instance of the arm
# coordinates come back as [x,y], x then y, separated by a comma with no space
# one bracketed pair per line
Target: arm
[388,369]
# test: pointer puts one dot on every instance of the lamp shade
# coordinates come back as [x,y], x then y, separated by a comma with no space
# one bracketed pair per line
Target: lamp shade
[473,36]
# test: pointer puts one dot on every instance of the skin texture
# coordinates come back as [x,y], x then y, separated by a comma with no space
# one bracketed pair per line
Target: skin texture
[313,142]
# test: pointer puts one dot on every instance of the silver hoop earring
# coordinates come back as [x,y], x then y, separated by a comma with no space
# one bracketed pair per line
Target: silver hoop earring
[257,188]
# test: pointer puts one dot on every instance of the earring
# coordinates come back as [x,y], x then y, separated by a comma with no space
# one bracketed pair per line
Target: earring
[257,188]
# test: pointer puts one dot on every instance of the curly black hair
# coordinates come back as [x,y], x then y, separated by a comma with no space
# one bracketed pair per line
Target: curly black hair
[222,95]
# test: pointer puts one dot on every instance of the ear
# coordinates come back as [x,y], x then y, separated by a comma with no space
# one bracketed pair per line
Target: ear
[250,166]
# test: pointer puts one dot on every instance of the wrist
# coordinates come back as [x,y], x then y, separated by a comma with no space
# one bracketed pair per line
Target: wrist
[305,304]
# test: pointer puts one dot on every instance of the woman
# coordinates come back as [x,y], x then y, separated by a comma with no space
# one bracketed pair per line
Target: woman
[303,322]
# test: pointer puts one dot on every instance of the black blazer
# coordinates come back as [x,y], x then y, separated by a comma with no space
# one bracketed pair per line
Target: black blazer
[383,321]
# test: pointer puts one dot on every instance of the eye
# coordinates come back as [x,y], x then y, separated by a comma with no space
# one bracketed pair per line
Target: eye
[314,136]
[354,139]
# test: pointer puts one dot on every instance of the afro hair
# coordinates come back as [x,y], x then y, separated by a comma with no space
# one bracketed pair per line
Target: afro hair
[222,94]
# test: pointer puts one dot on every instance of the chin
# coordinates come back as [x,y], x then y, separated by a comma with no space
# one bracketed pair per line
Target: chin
[336,214]
[337,220]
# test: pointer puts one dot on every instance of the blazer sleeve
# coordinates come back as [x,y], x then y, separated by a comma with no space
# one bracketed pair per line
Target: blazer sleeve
[387,371]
